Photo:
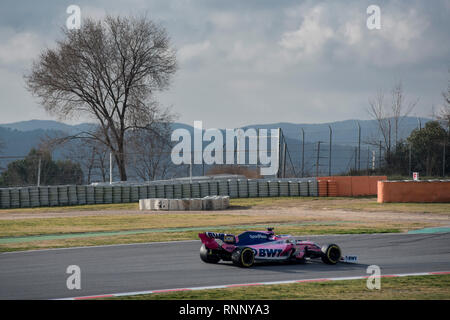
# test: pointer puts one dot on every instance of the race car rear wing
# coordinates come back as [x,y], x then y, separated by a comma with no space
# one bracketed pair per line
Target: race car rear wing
[228,238]
[208,238]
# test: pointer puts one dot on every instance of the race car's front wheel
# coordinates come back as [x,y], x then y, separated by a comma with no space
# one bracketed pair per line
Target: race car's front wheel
[243,257]
[208,256]
[331,254]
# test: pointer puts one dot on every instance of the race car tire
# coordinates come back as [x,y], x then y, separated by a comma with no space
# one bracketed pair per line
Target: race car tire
[207,256]
[331,253]
[243,257]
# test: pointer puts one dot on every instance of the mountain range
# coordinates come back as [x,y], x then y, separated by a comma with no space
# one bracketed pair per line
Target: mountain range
[19,137]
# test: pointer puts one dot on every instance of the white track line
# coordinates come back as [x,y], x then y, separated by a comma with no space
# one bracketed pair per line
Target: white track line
[123,294]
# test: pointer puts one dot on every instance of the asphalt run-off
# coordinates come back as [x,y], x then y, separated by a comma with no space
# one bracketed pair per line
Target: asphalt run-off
[152,267]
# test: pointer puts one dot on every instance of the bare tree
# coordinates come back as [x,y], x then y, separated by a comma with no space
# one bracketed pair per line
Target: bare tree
[108,70]
[150,155]
[444,113]
[377,110]
[389,116]
[92,156]
[400,108]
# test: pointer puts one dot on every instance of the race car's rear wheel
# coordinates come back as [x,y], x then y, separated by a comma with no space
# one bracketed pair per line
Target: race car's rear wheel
[208,256]
[243,257]
[331,254]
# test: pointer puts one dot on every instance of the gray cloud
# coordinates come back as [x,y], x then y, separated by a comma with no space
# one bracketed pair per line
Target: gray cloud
[255,61]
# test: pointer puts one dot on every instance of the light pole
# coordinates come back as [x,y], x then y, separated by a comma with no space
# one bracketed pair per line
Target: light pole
[329,153]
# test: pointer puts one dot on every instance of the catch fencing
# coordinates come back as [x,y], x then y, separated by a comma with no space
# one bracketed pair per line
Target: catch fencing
[51,196]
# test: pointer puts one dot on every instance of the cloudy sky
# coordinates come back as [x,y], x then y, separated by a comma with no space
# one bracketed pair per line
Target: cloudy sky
[256,61]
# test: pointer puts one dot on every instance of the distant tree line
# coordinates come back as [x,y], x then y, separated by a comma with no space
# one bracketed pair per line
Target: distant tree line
[25,172]
[425,150]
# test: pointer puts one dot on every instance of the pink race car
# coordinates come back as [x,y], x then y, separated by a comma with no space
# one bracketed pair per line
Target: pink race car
[257,246]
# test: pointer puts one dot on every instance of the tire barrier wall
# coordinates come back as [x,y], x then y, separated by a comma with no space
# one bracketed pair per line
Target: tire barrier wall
[28,197]
[414,191]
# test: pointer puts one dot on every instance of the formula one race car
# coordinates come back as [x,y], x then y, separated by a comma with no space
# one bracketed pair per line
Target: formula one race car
[258,246]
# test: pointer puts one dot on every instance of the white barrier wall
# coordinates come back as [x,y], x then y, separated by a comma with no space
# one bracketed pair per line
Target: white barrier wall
[192,204]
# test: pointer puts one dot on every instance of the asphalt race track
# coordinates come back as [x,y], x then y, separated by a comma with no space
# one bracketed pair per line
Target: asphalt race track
[153,266]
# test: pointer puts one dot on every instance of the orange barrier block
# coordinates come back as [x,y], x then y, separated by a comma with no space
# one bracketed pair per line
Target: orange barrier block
[413,191]
[332,188]
[361,186]
[323,188]
[351,186]
[373,183]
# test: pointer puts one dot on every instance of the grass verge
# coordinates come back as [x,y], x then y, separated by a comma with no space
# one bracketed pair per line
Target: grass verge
[88,207]
[435,287]
[368,204]
[176,236]
[321,203]
[62,230]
